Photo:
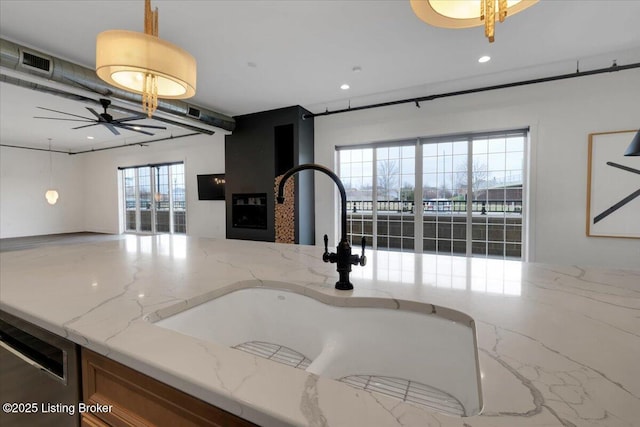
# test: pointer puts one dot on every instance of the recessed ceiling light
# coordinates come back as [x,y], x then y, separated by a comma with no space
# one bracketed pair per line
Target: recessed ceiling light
[89,137]
[137,128]
[356,69]
[484,59]
[344,86]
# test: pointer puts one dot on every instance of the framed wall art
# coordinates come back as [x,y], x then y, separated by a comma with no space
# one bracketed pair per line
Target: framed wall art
[613,186]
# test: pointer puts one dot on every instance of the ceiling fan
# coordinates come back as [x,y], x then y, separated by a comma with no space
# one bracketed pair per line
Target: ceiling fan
[105,119]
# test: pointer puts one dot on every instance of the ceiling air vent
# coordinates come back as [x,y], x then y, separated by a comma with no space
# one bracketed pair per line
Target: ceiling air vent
[193,112]
[35,62]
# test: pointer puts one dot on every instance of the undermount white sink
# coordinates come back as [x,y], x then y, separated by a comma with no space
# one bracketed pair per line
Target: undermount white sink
[422,354]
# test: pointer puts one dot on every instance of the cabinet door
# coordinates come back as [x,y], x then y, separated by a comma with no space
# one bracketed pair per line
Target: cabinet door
[89,420]
[136,399]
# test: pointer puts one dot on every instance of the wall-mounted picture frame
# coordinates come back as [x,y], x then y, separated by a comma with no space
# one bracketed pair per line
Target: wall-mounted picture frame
[613,186]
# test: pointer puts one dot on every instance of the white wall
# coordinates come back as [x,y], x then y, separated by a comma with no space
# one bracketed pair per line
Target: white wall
[202,154]
[88,187]
[560,114]
[24,178]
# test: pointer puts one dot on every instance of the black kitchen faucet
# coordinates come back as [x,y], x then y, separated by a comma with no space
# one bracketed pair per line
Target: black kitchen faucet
[343,257]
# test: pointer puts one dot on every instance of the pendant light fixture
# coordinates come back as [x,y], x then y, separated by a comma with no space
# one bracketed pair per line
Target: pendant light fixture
[145,64]
[468,13]
[51,195]
[634,148]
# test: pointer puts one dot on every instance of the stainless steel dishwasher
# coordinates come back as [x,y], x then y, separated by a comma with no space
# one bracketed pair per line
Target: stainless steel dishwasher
[39,376]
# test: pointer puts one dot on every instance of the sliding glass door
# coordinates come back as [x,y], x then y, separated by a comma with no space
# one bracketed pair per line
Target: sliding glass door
[154,198]
[457,195]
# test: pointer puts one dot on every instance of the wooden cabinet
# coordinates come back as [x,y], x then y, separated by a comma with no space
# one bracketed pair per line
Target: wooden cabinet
[121,396]
[89,420]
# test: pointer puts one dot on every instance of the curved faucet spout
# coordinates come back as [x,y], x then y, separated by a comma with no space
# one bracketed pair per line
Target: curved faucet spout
[333,176]
[343,257]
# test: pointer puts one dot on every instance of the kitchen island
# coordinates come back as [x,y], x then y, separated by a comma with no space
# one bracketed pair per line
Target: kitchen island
[557,345]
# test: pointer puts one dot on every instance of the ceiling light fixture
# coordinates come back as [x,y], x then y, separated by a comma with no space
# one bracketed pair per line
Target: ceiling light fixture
[634,148]
[468,13]
[344,86]
[51,195]
[145,64]
[484,59]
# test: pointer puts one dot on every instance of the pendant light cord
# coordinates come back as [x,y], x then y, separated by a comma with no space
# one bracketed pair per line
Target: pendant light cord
[50,164]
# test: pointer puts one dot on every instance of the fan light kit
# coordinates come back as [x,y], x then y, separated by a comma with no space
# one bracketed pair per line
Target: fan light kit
[468,13]
[145,64]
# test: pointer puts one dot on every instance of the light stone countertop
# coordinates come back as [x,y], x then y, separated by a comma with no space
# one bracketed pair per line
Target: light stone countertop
[557,345]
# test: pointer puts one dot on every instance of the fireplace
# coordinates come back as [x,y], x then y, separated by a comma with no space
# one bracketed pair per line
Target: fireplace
[249,210]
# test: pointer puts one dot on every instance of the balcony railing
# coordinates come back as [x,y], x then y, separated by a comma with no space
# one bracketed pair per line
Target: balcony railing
[161,205]
[431,206]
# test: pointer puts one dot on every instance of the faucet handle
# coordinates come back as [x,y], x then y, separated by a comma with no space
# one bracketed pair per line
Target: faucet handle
[325,255]
[363,259]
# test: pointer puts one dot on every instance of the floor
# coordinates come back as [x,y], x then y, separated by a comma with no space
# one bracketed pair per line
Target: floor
[30,242]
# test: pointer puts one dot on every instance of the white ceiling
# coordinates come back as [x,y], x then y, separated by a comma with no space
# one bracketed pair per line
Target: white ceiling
[259,55]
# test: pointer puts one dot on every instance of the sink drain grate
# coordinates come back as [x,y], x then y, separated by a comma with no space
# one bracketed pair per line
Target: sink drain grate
[408,391]
[275,352]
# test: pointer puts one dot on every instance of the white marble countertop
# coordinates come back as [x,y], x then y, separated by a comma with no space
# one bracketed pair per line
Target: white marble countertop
[557,346]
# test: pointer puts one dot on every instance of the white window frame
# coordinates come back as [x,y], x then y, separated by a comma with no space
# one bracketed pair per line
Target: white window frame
[418,213]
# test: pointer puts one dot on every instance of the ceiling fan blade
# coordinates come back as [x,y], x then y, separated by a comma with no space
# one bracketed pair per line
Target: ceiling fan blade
[129,127]
[95,113]
[112,128]
[62,112]
[86,126]
[60,118]
[128,119]
[142,126]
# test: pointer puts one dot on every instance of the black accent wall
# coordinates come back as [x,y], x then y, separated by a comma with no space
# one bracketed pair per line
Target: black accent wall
[265,145]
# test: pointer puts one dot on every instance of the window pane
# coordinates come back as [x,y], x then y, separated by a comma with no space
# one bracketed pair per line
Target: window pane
[161,198]
[514,161]
[497,145]
[408,166]
[179,199]
[515,144]
[430,149]
[496,161]
[460,147]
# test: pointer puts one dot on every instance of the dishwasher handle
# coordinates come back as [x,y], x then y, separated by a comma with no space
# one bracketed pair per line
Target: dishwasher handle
[63,379]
